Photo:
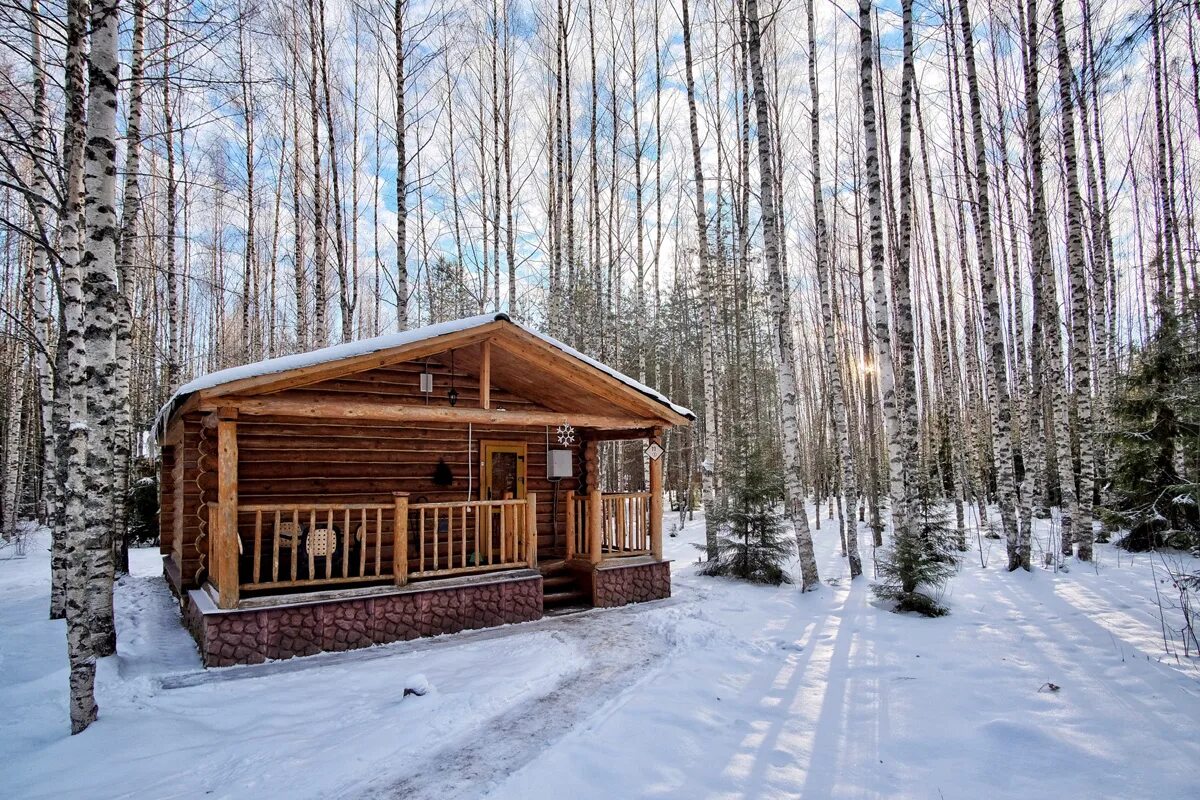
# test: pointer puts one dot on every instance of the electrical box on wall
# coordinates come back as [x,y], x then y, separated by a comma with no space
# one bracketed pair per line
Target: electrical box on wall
[558,465]
[426,382]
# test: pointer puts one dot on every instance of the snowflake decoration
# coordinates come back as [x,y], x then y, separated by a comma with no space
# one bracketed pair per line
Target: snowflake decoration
[566,435]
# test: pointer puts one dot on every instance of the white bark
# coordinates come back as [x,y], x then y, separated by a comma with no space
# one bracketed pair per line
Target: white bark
[1080,332]
[1000,405]
[839,410]
[779,291]
[708,361]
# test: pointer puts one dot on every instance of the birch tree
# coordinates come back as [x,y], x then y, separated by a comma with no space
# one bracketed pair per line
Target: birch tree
[779,291]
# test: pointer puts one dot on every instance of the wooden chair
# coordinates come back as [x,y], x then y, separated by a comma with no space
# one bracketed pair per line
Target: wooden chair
[322,542]
[288,532]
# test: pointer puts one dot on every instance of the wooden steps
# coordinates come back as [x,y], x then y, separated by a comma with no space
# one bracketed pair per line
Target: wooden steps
[561,588]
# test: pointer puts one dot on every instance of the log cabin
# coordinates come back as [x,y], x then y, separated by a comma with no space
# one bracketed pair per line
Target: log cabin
[418,483]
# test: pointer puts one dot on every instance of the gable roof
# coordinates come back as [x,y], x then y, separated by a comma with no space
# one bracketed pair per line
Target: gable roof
[377,349]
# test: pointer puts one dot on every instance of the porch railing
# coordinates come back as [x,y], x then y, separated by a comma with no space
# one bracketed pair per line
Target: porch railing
[317,544]
[603,526]
[278,546]
[474,536]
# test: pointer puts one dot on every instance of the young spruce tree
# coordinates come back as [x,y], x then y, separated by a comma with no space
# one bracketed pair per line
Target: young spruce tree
[752,543]
[913,571]
[1155,436]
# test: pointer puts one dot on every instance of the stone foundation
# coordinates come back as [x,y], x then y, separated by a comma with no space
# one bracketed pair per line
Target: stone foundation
[616,583]
[253,635]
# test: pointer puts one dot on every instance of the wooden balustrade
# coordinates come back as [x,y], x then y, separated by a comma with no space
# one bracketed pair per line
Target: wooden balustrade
[625,525]
[625,529]
[302,545]
[474,536]
[315,544]
[286,546]
[577,531]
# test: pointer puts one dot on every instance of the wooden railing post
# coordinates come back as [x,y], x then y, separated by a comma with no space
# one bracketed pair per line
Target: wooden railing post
[656,499]
[570,524]
[595,513]
[226,540]
[400,538]
[531,528]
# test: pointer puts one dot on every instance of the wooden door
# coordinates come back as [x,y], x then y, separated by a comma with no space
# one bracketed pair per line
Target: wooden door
[503,471]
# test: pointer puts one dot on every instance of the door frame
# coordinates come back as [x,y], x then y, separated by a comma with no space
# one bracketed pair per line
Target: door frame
[488,448]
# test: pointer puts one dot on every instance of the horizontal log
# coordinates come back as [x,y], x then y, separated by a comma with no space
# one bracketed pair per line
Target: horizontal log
[408,389]
[366,470]
[436,398]
[271,508]
[271,424]
[467,504]
[322,450]
[331,409]
[254,587]
[438,573]
[344,490]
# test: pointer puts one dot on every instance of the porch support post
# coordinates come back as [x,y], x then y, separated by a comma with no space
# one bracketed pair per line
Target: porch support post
[485,374]
[227,541]
[400,538]
[595,512]
[595,509]
[531,533]
[656,499]
[570,524]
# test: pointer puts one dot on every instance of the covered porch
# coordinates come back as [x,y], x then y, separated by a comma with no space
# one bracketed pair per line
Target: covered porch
[259,552]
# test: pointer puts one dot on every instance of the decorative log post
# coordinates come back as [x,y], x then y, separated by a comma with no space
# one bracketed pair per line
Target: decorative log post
[656,499]
[595,509]
[570,524]
[400,538]
[485,374]
[227,540]
[595,512]
[531,528]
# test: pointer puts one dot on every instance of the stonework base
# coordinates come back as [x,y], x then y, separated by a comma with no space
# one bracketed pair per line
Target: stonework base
[616,584]
[250,636]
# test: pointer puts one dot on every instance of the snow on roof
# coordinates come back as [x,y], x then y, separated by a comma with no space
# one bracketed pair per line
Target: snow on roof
[387,341]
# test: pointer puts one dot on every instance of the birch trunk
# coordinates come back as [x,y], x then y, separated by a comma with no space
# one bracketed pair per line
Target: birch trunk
[883,338]
[708,362]
[906,485]
[174,324]
[131,207]
[1000,407]
[778,290]
[70,409]
[320,278]
[401,6]
[839,410]
[1081,334]
[90,630]
[40,301]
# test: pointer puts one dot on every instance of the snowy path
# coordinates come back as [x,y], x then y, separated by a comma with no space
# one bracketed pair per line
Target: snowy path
[620,654]
[724,691]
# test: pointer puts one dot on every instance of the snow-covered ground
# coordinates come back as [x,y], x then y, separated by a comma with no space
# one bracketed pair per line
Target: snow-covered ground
[726,690]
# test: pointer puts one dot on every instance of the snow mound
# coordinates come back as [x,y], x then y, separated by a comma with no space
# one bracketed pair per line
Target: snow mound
[416,685]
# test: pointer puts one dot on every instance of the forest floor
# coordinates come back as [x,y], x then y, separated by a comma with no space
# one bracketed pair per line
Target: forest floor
[725,690]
